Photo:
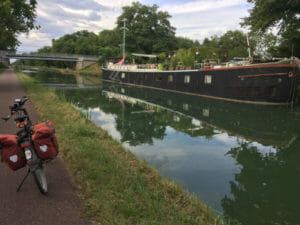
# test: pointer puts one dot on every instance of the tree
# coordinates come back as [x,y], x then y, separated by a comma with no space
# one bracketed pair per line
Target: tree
[234,44]
[149,30]
[267,45]
[80,42]
[109,44]
[229,45]
[17,16]
[182,42]
[280,14]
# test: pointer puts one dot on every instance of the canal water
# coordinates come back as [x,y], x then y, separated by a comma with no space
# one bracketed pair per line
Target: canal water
[242,160]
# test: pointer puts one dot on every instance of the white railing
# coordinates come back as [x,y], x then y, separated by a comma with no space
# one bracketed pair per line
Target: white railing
[49,55]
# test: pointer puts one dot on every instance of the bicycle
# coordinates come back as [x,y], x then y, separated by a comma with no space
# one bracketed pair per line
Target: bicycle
[26,145]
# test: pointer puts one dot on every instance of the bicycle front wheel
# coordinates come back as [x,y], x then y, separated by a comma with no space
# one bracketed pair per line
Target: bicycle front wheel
[40,179]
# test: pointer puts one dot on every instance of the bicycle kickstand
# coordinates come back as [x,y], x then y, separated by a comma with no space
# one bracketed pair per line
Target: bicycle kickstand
[19,188]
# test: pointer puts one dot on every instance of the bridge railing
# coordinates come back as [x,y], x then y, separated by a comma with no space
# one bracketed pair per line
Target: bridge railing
[52,55]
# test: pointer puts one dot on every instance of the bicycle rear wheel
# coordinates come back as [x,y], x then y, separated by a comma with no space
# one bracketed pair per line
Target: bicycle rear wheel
[40,179]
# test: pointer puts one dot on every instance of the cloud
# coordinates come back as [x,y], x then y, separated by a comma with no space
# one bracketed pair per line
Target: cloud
[114,4]
[192,19]
[199,6]
[200,24]
[34,40]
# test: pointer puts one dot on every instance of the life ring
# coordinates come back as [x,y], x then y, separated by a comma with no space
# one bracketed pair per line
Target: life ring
[290,74]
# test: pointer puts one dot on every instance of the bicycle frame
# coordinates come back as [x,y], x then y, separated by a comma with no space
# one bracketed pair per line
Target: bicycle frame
[25,141]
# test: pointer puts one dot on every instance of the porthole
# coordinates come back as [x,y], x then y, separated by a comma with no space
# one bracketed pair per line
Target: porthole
[207,79]
[170,78]
[187,79]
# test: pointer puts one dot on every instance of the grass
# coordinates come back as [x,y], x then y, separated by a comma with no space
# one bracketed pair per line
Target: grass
[93,69]
[116,187]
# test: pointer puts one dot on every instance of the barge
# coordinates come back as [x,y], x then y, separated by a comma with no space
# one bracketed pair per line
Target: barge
[239,81]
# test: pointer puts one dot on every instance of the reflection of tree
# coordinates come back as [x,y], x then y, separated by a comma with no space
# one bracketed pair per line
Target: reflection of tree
[53,76]
[254,122]
[138,124]
[140,128]
[266,191]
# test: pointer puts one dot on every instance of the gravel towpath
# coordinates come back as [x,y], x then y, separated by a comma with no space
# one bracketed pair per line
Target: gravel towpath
[61,206]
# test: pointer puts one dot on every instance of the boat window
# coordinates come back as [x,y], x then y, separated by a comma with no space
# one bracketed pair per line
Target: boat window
[170,78]
[123,75]
[185,106]
[176,118]
[205,112]
[207,79]
[187,79]
[158,77]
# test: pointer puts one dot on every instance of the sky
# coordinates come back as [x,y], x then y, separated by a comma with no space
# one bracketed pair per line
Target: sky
[194,19]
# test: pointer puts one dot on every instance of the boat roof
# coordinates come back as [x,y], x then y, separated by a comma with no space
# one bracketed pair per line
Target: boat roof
[144,55]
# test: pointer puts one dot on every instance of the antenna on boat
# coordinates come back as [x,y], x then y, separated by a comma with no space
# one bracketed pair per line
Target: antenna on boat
[248,45]
[124,30]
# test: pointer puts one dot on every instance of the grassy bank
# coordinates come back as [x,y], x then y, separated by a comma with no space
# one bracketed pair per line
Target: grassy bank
[116,187]
[92,70]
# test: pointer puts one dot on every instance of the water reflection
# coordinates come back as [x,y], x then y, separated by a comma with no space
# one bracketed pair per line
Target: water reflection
[54,78]
[268,125]
[266,190]
[240,159]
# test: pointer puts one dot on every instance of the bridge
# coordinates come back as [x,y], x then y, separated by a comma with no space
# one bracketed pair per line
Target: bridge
[81,60]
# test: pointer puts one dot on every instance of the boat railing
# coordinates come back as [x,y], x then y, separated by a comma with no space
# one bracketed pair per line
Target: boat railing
[133,67]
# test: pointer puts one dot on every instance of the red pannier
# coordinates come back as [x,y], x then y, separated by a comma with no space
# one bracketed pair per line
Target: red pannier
[11,153]
[44,140]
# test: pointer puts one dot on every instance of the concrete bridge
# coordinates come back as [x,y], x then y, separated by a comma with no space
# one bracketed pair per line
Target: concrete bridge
[81,60]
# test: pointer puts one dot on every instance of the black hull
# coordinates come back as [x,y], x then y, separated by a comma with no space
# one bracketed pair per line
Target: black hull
[263,84]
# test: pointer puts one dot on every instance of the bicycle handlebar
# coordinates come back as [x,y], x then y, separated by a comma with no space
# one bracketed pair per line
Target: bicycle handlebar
[17,106]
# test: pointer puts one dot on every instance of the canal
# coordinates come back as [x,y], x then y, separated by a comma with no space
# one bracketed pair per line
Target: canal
[242,160]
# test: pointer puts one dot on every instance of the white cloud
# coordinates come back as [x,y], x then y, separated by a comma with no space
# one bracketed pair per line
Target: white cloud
[34,40]
[200,6]
[114,4]
[194,19]
[197,23]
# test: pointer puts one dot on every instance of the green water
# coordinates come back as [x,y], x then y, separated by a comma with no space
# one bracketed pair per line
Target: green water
[242,160]
[47,77]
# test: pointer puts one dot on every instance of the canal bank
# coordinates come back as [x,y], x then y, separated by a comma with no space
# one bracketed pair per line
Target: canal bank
[62,205]
[117,188]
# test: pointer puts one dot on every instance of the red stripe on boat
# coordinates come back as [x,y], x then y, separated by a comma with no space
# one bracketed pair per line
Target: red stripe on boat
[262,75]
[247,67]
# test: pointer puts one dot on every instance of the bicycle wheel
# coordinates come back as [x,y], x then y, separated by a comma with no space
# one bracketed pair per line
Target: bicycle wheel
[40,179]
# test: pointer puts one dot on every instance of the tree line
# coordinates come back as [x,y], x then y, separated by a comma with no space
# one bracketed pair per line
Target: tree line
[148,31]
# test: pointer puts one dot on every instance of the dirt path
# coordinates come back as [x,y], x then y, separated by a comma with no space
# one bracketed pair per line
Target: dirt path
[61,206]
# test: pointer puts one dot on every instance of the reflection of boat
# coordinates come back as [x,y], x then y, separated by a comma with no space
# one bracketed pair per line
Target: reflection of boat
[268,83]
[267,125]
